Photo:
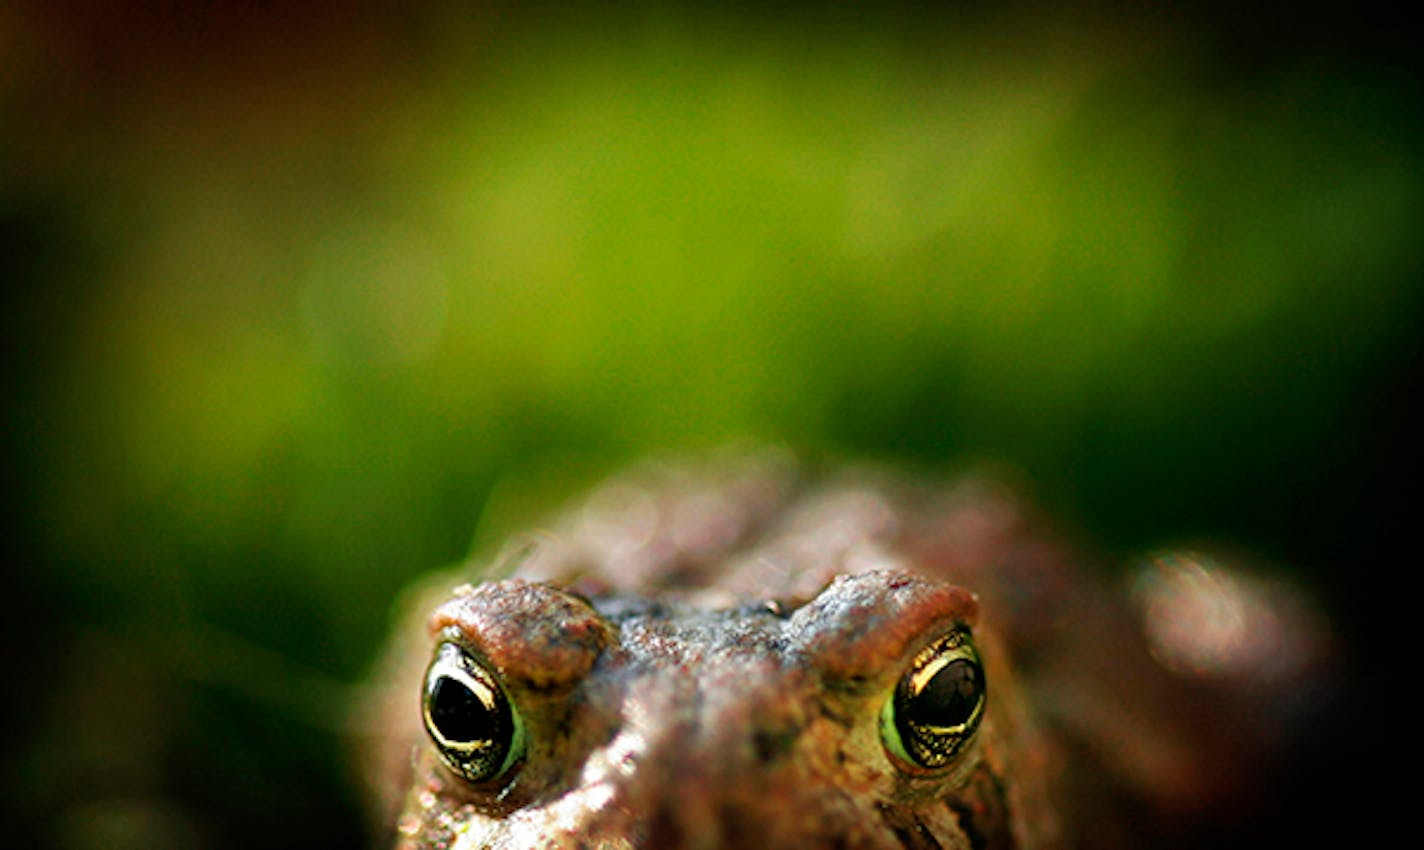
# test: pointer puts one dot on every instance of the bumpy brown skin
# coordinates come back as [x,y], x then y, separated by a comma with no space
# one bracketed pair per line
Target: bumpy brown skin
[700,657]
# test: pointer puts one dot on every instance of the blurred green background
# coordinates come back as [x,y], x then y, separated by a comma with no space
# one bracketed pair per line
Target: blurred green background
[302,298]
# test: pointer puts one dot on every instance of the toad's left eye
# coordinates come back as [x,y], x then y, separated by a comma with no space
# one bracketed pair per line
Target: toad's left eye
[469,717]
[937,704]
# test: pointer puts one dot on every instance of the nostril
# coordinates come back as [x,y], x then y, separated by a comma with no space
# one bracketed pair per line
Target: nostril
[665,829]
[682,821]
[772,744]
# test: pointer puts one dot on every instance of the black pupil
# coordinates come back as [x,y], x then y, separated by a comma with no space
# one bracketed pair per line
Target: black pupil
[458,714]
[950,696]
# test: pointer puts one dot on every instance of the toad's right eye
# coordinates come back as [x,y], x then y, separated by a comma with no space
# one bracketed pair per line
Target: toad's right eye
[937,705]
[475,728]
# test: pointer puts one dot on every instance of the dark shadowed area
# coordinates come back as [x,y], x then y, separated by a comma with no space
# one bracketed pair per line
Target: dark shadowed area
[305,299]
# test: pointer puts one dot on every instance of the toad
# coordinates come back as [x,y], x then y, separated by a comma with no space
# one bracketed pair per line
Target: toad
[748,653]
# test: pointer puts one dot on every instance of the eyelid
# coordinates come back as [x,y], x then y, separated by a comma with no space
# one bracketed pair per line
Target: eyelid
[533,633]
[861,623]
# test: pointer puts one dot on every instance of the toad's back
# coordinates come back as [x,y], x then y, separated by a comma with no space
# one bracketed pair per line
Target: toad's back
[742,653]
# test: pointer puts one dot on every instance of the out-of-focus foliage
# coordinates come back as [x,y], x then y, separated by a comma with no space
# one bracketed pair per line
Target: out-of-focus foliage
[304,300]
